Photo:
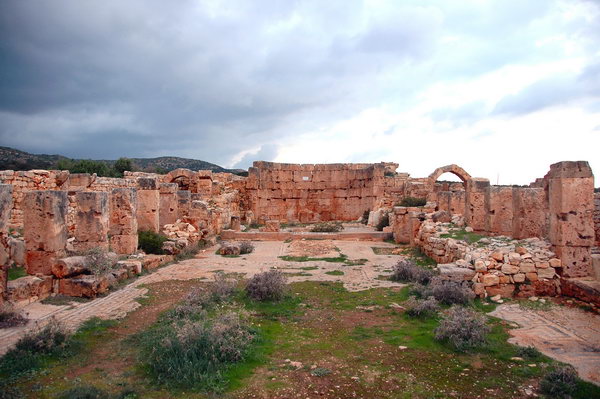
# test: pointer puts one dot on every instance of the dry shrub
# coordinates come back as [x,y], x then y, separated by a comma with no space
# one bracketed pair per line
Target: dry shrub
[407,271]
[560,382]
[445,291]
[201,299]
[327,227]
[11,318]
[100,261]
[267,286]
[196,353]
[422,307]
[246,247]
[462,328]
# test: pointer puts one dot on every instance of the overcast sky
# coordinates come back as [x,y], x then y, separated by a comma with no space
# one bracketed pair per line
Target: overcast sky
[503,88]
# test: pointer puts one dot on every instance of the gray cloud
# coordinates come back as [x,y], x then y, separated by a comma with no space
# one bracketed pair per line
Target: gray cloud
[557,90]
[209,80]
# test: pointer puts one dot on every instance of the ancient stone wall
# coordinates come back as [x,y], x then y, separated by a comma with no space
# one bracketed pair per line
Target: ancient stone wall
[309,193]
[23,181]
[45,230]
[570,188]
[5,207]
[495,267]
[597,217]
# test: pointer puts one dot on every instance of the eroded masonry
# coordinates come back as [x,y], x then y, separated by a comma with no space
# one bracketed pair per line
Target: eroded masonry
[541,239]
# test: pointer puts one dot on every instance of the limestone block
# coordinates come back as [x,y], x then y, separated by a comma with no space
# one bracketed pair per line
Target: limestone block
[509,269]
[548,273]
[501,210]
[490,280]
[184,199]
[148,205]
[576,261]
[29,288]
[91,220]
[16,248]
[123,212]
[530,209]
[6,204]
[124,244]
[134,267]
[504,290]
[83,286]
[45,230]
[271,226]
[452,272]
[168,211]
[235,223]
[70,266]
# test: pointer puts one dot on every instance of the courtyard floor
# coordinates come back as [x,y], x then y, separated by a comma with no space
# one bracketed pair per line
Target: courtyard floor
[350,323]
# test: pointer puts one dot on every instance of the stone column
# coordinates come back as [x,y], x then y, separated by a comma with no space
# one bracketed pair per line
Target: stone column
[123,226]
[530,212]
[500,210]
[235,223]
[184,200]
[477,206]
[45,225]
[168,204]
[148,205]
[571,208]
[6,203]
[91,220]
[200,215]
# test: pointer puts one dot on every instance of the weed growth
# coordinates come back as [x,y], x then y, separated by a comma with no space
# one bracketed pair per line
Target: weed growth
[464,329]
[267,286]
[151,242]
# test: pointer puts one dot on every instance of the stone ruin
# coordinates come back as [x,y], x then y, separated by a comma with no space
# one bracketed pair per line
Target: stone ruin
[541,239]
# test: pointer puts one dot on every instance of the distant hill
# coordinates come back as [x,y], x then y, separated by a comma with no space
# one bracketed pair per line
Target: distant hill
[14,159]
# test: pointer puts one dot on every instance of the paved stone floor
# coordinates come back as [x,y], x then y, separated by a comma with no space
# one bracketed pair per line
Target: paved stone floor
[566,334]
[118,303]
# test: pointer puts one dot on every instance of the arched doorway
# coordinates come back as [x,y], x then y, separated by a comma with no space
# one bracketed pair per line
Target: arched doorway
[449,196]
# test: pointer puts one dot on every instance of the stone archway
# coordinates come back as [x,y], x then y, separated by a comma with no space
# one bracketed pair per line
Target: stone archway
[184,178]
[454,169]
[454,202]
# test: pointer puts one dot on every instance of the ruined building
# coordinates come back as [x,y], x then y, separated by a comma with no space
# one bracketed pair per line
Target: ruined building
[45,216]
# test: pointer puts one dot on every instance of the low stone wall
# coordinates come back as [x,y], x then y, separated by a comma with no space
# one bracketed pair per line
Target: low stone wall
[495,265]
[597,219]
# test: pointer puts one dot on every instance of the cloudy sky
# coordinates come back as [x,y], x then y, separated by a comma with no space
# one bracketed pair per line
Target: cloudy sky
[501,87]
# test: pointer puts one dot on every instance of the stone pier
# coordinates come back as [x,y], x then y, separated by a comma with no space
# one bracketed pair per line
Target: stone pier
[168,204]
[45,220]
[123,224]
[148,205]
[184,201]
[6,204]
[571,208]
[91,220]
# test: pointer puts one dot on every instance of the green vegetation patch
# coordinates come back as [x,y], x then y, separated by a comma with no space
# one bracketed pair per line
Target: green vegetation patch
[16,272]
[463,235]
[335,273]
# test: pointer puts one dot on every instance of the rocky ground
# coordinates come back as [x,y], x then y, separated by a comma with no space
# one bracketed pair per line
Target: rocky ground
[361,359]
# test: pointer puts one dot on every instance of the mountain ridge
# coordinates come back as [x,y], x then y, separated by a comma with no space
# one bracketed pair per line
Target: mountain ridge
[14,159]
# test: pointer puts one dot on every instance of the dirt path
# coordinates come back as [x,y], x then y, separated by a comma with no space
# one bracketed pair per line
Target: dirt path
[567,334]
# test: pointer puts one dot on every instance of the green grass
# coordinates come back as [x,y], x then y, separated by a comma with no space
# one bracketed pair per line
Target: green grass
[16,272]
[463,235]
[335,273]
[25,362]
[417,256]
